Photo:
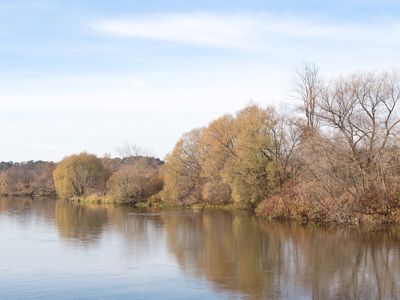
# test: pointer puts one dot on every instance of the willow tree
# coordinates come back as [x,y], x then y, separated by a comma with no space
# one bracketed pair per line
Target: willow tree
[183,172]
[218,147]
[263,151]
[218,142]
[79,175]
[243,158]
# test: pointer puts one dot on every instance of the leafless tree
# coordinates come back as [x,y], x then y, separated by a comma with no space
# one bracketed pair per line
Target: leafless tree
[128,149]
[308,85]
[354,154]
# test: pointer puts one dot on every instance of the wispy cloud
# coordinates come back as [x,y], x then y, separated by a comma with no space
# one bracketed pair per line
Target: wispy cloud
[245,31]
[200,29]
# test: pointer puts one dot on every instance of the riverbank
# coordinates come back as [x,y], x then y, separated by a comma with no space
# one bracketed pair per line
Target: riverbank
[151,203]
[294,207]
[29,194]
[274,208]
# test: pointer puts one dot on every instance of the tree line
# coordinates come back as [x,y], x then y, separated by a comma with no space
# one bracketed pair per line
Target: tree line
[129,179]
[27,178]
[334,157]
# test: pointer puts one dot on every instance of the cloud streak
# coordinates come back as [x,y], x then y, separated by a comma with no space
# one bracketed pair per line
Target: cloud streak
[245,31]
[198,29]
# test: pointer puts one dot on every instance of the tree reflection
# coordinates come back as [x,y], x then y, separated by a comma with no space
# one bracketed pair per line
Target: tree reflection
[341,262]
[80,222]
[238,253]
[234,251]
[229,249]
[27,208]
[136,232]
[140,231]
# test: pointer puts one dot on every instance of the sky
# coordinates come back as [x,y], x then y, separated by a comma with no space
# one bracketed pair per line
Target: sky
[91,75]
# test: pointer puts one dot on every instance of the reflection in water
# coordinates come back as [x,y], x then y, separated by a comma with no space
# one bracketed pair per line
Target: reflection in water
[237,252]
[339,262]
[88,224]
[28,207]
[232,254]
[80,222]
[229,249]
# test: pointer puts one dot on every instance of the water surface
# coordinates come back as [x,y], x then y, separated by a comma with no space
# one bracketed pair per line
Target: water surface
[55,249]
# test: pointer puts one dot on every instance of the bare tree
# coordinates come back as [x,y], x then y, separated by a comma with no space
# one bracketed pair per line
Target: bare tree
[133,150]
[307,85]
[354,154]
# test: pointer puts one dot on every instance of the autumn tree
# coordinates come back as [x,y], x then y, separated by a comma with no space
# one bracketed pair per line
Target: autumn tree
[243,158]
[137,176]
[183,172]
[6,187]
[218,147]
[79,175]
[28,178]
[111,164]
[263,150]
[127,185]
[43,183]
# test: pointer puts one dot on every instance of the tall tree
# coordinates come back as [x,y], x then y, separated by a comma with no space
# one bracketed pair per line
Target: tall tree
[308,85]
[354,156]
[183,172]
[262,153]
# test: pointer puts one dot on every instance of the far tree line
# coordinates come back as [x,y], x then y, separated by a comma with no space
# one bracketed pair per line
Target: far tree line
[27,178]
[125,180]
[334,157]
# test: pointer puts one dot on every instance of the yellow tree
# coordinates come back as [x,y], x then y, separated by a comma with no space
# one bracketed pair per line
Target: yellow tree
[79,175]
[246,171]
[218,144]
[263,149]
[183,173]
[218,147]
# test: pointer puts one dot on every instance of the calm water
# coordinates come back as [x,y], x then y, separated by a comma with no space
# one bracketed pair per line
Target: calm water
[54,249]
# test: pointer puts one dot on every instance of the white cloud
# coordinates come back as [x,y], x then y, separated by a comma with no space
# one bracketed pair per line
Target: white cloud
[246,31]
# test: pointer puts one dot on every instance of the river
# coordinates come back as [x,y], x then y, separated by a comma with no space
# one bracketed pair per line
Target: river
[52,249]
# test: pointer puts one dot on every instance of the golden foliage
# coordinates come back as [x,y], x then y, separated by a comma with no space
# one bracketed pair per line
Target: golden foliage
[183,179]
[244,158]
[79,175]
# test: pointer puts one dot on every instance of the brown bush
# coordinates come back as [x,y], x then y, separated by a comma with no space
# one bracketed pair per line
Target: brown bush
[292,205]
[217,193]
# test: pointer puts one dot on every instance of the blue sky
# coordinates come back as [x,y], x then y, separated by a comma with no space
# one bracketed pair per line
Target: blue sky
[88,75]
